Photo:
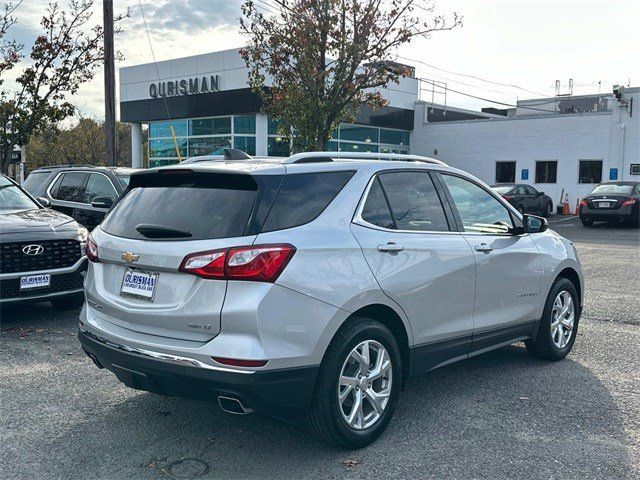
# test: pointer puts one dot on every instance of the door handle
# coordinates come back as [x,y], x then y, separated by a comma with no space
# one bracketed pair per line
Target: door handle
[484,248]
[390,247]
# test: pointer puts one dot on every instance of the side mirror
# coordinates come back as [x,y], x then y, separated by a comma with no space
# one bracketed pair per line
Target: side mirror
[44,202]
[102,202]
[534,224]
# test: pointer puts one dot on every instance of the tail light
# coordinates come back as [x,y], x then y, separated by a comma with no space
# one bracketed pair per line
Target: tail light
[583,203]
[92,249]
[205,264]
[260,263]
[629,201]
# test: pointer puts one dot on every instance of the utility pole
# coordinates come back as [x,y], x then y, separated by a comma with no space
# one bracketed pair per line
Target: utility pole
[109,83]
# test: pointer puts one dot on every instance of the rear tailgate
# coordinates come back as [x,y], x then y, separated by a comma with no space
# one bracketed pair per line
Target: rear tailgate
[167,215]
[183,306]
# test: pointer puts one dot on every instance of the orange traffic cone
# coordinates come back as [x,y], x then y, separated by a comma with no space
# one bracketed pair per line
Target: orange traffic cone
[565,205]
[577,210]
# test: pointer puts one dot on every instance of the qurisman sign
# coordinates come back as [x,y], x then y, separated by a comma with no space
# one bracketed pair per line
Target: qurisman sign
[184,86]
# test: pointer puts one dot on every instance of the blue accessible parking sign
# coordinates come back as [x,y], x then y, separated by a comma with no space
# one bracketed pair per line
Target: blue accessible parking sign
[524,174]
[613,174]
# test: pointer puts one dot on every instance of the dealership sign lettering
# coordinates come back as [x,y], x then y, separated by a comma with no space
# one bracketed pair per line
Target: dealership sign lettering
[174,88]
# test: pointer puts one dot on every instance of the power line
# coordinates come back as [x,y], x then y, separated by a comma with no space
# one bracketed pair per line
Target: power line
[472,76]
[153,55]
[486,99]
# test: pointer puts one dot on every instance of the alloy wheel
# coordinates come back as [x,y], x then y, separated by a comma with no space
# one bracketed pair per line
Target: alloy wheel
[562,319]
[364,386]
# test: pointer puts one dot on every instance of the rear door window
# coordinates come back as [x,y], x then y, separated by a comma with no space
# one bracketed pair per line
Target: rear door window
[99,185]
[376,209]
[304,196]
[414,201]
[69,187]
[199,205]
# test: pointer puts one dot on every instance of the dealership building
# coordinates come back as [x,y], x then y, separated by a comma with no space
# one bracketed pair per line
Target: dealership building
[563,143]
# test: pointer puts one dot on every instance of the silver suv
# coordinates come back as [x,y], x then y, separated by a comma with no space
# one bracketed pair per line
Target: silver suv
[318,285]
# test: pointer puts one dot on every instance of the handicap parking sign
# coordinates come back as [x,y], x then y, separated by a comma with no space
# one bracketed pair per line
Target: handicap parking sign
[613,174]
[525,174]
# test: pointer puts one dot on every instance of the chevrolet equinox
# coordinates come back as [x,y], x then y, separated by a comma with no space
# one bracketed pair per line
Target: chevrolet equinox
[318,285]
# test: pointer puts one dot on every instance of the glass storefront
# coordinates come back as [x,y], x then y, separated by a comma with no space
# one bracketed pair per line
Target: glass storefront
[204,136]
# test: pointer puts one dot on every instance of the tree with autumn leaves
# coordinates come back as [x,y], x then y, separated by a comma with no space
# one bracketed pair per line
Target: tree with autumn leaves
[65,55]
[325,59]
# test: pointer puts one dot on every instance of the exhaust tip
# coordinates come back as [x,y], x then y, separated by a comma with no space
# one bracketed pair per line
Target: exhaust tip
[233,405]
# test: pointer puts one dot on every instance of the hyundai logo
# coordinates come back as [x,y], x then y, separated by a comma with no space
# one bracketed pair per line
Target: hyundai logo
[33,249]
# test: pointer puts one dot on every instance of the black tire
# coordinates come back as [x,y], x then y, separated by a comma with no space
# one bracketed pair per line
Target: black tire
[69,302]
[547,210]
[543,346]
[586,221]
[324,418]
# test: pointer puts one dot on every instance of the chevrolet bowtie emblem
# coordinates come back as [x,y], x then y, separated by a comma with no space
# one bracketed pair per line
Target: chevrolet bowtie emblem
[130,257]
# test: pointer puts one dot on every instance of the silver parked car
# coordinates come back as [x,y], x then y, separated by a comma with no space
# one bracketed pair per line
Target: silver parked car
[318,285]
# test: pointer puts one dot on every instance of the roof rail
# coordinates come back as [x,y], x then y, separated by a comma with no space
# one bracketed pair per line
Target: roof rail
[83,165]
[312,157]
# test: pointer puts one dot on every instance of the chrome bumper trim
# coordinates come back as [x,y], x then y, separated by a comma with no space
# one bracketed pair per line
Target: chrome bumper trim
[165,357]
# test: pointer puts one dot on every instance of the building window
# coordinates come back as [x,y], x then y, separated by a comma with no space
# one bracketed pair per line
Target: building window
[162,129]
[635,169]
[590,171]
[166,148]
[246,144]
[546,172]
[357,147]
[210,126]
[505,172]
[278,147]
[206,146]
[245,124]
[396,137]
[358,133]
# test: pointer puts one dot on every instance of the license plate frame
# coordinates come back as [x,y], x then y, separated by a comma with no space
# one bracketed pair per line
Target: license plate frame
[604,204]
[133,292]
[45,282]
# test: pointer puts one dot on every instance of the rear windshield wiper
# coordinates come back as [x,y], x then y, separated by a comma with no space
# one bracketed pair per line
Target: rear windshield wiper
[160,231]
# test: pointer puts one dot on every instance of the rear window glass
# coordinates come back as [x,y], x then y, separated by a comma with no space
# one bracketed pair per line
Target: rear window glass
[304,196]
[613,189]
[204,206]
[35,180]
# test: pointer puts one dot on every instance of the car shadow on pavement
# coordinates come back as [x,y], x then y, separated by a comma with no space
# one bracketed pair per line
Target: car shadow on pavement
[500,415]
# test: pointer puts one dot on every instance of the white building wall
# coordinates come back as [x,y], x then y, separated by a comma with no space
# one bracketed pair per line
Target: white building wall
[476,145]
[232,74]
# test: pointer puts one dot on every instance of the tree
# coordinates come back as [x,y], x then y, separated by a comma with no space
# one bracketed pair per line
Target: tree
[83,142]
[65,56]
[327,58]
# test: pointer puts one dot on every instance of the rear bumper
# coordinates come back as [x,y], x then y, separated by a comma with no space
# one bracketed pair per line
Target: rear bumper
[269,391]
[624,214]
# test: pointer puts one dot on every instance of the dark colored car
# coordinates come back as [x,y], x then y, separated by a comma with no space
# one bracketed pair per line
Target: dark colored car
[615,202]
[525,198]
[84,192]
[42,252]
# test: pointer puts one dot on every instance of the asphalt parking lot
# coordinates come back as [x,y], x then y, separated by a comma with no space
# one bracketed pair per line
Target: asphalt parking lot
[501,415]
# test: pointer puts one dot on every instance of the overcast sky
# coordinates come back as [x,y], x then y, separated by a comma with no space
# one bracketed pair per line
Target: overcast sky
[528,44]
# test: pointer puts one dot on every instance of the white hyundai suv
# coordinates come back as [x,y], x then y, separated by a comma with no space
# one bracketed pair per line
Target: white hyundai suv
[319,285]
